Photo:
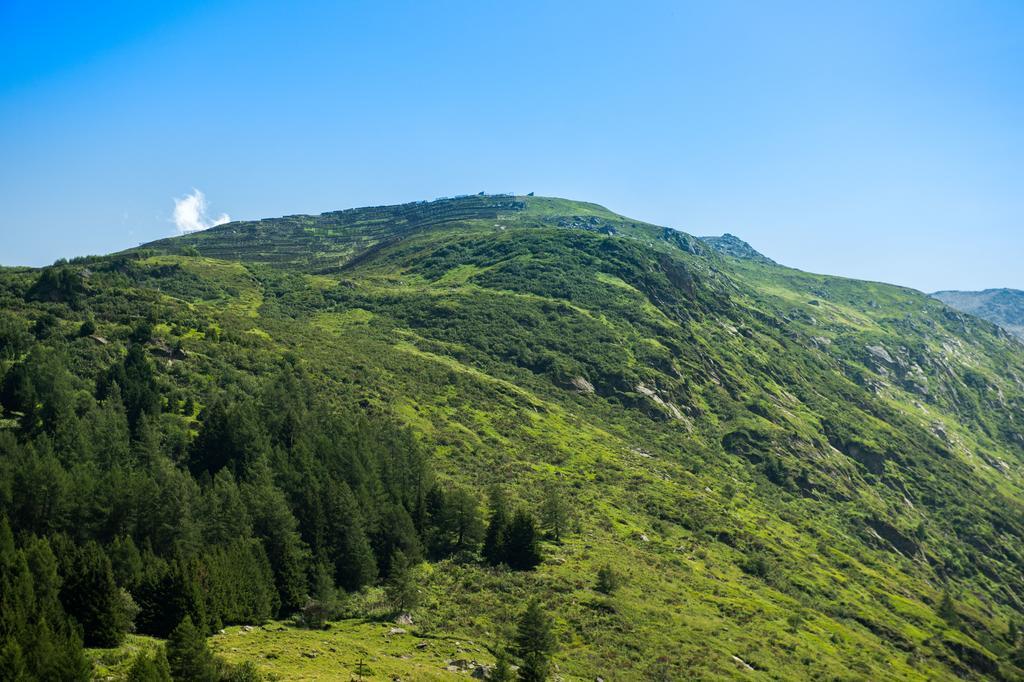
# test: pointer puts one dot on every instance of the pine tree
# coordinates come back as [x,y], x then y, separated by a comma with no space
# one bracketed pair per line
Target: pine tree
[555,511]
[947,609]
[145,442]
[169,592]
[349,549]
[396,532]
[12,662]
[108,432]
[126,561]
[608,580]
[494,538]
[453,521]
[224,516]
[37,641]
[464,523]
[276,526]
[188,655]
[521,548]
[401,588]
[502,671]
[231,435]
[535,643]
[140,391]
[90,595]
[148,668]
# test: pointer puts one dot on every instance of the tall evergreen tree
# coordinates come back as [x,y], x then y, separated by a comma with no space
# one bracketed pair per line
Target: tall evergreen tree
[502,671]
[188,655]
[169,592]
[139,391]
[276,526]
[396,532]
[521,549]
[497,525]
[147,668]
[402,590]
[231,435]
[125,561]
[224,517]
[535,643]
[108,432]
[555,510]
[37,640]
[349,548]
[90,595]
[453,521]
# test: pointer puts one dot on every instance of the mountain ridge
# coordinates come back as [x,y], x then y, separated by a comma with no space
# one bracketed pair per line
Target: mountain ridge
[1002,306]
[811,475]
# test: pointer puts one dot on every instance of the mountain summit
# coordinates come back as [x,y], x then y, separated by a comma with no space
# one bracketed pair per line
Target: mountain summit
[699,465]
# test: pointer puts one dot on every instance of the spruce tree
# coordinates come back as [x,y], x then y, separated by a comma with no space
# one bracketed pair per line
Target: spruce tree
[453,521]
[148,668]
[188,655]
[401,588]
[91,596]
[555,510]
[139,390]
[494,538]
[521,547]
[464,524]
[126,561]
[608,580]
[37,640]
[276,526]
[12,661]
[224,517]
[349,548]
[535,643]
[502,671]
[396,533]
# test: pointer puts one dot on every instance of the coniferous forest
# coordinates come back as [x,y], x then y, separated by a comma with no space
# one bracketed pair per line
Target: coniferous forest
[118,520]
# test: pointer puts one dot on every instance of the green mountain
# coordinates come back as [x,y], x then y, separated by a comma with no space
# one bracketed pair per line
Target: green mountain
[777,474]
[1004,307]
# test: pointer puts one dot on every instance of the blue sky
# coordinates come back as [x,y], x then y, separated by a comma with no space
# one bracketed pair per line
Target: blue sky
[880,140]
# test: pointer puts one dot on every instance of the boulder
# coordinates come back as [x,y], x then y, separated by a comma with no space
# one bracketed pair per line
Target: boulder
[582,385]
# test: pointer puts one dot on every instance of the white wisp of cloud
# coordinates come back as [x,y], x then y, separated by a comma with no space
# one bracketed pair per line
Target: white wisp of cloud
[190,213]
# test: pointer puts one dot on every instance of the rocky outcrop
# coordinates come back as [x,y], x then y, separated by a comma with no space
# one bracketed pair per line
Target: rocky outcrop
[731,245]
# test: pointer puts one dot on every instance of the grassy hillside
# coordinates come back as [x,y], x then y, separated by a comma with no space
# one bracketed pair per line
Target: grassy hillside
[797,476]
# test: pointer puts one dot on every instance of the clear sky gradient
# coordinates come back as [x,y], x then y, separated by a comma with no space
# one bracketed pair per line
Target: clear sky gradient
[879,140]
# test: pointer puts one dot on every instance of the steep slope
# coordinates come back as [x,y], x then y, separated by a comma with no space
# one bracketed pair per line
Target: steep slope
[1004,307]
[798,476]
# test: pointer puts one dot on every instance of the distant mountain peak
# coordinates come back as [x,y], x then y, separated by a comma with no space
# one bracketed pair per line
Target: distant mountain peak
[1004,307]
[731,245]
